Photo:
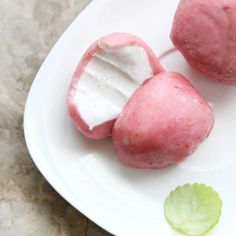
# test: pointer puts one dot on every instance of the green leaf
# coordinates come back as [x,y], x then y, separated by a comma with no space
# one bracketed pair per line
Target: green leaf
[193,209]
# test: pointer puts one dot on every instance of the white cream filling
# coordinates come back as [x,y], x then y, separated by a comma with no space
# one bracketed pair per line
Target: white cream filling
[108,81]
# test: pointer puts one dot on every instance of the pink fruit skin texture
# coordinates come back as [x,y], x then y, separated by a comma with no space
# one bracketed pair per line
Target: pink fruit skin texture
[204,31]
[163,123]
[113,40]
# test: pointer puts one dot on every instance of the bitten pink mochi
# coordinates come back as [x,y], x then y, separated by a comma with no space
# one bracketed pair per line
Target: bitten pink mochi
[107,76]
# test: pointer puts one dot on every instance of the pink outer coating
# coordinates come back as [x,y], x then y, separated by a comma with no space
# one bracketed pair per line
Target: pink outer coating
[163,123]
[113,40]
[204,31]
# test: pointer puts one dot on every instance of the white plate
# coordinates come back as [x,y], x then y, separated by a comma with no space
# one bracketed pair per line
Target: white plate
[87,173]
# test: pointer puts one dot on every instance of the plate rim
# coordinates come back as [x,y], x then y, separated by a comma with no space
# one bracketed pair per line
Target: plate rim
[26,129]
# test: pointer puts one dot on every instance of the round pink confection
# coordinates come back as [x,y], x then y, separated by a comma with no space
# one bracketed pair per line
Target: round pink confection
[164,122]
[204,31]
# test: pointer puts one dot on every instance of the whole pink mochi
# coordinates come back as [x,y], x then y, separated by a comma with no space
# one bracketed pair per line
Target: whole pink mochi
[163,123]
[204,31]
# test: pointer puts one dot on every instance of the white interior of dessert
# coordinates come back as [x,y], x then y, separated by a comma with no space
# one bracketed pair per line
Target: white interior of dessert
[108,81]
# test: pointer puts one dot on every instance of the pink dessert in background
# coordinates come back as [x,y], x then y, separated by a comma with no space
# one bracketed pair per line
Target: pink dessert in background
[108,74]
[164,122]
[204,31]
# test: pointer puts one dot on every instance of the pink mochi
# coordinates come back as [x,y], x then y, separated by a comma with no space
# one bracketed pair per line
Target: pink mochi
[204,31]
[163,123]
[112,41]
